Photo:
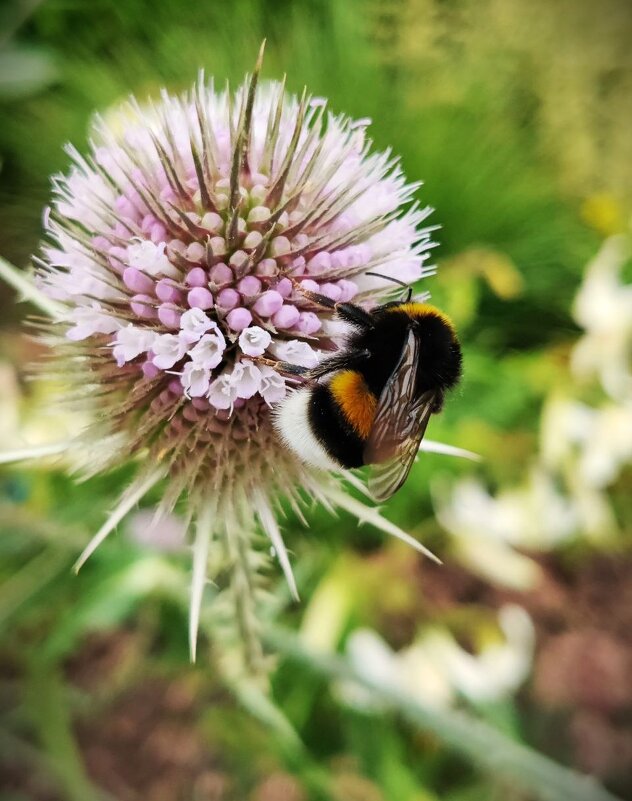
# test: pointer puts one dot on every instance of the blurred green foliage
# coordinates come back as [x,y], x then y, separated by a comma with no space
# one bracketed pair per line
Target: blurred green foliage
[474,97]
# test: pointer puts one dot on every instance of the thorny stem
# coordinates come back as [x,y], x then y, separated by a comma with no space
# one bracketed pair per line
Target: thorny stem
[244,594]
[204,532]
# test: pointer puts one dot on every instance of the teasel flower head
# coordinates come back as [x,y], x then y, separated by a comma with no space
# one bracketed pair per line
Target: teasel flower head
[176,253]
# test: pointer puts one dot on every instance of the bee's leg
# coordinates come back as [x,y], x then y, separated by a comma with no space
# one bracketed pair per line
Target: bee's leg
[437,403]
[283,367]
[354,314]
[339,361]
[346,311]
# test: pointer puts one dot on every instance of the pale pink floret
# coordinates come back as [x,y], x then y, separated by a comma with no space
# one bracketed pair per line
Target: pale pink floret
[246,378]
[167,290]
[196,277]
[253,341]
[319,264]
[272,386]
[209,350]
[144,306]
[130,342]
[169,315]
[150,370]
[194,323]
[287,316]
[137,281]
[268,303]
[195,380]
[89,320]
[222,392]
[200,298]
[150,258]
[228,298]
[168,349]
[296,352]
[221,274]
[238,319]
[284,287]
[249,286]
[308,323]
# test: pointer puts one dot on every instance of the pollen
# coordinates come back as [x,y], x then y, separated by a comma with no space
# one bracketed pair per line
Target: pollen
[355,399]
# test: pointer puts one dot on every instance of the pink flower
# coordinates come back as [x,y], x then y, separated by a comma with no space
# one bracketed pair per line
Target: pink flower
[195,380]
[254,340]
[150,258]
[238,319]
[168,349]
[246,378]
[296,352]
[173,252]
[222,392]
[130,342]
[194,323]
[209,350]
[272,386]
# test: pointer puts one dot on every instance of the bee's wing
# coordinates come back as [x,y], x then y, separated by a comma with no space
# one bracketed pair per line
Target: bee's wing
[399,425]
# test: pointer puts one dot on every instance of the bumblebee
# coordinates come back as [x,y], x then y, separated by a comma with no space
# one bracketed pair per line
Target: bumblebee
[379,391]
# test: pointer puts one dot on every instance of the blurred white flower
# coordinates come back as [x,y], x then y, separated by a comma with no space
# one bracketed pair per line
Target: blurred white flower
[435,670]
[610,447]
[34,429]
[582,448]
[499,669]
[603,307]
[598,440]
[487,529]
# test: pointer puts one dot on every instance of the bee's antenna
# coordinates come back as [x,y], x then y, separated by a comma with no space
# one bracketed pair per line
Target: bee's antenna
[395,281]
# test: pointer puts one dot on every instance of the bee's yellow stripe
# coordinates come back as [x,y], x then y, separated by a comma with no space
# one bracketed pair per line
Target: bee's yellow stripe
[355,400]
[422,310]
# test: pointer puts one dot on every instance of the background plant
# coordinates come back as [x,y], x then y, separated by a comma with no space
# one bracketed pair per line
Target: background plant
[514,115]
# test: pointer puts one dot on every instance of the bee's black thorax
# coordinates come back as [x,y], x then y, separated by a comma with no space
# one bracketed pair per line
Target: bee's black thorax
[439,364]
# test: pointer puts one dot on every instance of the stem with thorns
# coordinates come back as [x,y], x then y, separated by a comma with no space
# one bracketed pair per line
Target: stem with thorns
[239,549]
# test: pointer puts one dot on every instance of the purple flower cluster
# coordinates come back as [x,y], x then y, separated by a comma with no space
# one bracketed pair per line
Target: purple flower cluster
[178,252]
[190,275]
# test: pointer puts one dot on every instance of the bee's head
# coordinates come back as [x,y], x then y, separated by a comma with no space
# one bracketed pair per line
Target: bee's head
[440,352]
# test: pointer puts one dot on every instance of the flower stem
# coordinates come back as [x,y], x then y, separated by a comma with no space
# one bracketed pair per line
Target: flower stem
[486,747]
[204,532]
[51,717]
[244,592]
[259,704]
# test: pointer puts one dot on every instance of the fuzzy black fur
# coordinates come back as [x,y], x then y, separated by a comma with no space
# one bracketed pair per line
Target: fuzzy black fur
[374,349]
